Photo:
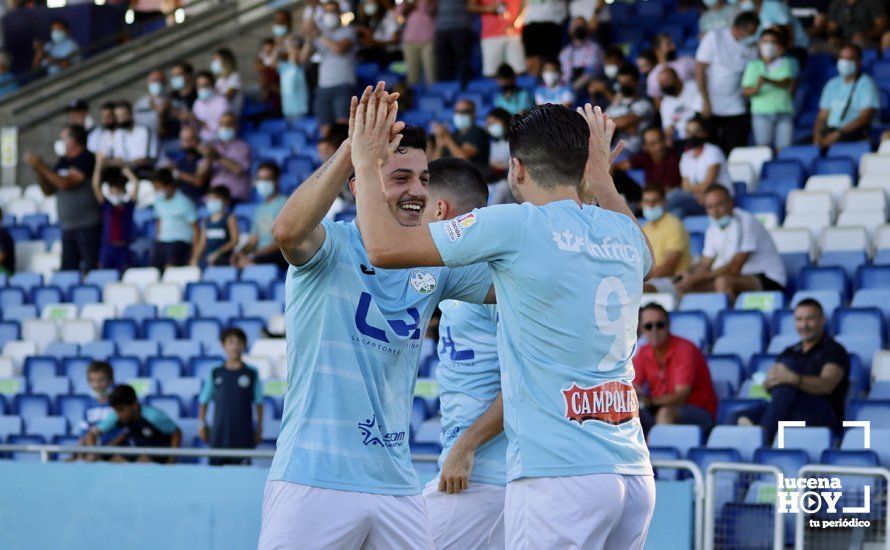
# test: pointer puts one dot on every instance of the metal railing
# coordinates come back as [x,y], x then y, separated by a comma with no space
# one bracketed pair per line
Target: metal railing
[699,494]
[711,501]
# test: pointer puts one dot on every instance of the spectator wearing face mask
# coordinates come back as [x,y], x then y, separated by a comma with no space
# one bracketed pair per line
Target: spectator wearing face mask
[282,27]
[177,223]
[79,113]
[720,61]
[582,58]
[719,15]
[59,52]
[659,161]
[417,40]
[776,14]
[680,101]
[292,83]
[468,141]
[135,145]
[79,214]
[630,112]
[542,32]
[666,55]
[377,27]
[497,123]
[859,22]
[511,97]
[218,234]
[601,89]
[209,107]
[227,160]
[153,110]
[501,40]
[767,83]
[184,163]
[261,248]
[848,104]
[228,82]
[669,239]
[701,165]
[117,213]
[266,66]
[551,89]
[182,90]
[101,139]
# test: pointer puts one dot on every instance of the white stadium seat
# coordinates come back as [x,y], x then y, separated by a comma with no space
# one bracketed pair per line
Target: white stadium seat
[40,332]
[753,156]
[843,239]
[810,202]
[20,208]
[743,172]
[874,163]
[876,181]
[276,325]
[45,263]
[835,184]
[789,241]
[141,277]
[814,223]
[880,366]
[882,237]
[261,363]
[79,331]
[280,368]
[665,299]
[162,294]
[864,200]
[34,192]
[273,348]
[120,294]
[59,312]
[48,206]
[884,147]
[870,220]
[98,313]
[9,193]
[24,251]
[7,367]
[181,275]
[18,350]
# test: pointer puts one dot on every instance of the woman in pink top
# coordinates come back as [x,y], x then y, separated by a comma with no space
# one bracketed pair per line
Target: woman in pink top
[417,40]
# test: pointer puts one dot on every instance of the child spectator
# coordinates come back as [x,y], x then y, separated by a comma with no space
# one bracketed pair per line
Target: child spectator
[219,232]
[768,82]
[292,83]
[7,250]
[117,213]
[100,377]
[140,425]
[552,89]
[177,227]
[233,387]
[511,97]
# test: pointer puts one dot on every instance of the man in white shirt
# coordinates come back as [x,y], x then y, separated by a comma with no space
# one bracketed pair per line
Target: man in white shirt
[720,61]
[134,144]
[679,102]
[738,256]
[101,138]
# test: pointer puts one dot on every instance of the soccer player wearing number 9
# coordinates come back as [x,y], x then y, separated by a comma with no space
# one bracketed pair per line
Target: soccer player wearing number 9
[569,279]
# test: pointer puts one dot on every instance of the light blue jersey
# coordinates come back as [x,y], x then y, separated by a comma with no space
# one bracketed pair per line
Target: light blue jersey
[469,380]
[569,281]
[354,335]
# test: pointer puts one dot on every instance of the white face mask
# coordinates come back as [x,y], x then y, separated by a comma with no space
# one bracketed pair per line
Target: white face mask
[611,71]
[370,8]
[155,88]
[114,199]
[59,148]
[768,50]
[551,78]
[462,121]
[330,21]
[265,188]
[496,130]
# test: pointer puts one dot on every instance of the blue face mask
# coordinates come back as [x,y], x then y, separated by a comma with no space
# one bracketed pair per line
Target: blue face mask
[225,134]
[265,188]
[205,93]
[653,213]
[462,121]
[279,30]
[722,222]
[177,82]
[58,36]
[846,67]
[214,206]
[216,66]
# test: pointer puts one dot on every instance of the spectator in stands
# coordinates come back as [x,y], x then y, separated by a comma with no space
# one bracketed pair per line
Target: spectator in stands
[680,390]
[101,138]
[183,92]
[327,146]
[282,26]
[209,107]
[234,388]
[226,161]
[666,54]
[8,82]
[701,165]
[659,161]
[139,425]
[117,213]
[860,22]
[184,163]
[739,255]
[454,40]
[266,66]
[59,52]
[292,85]
[79,113]
[261,248]
[80,216]
[646,61]
[775,14]
[497,123]
[511,97]
[552,89]
[135,146]
[809,380]
[177,227]
[377,27]
[669,240]
[468,141]
[680,101]
[601,89]
[630,112]
[720,61]
[582,58]
[7,250]
[768,82]
[848,104]
[100,377]
[218,235]
[719,15]
[501,39]
[418,34]
[153,110]
[228,81]
[542,32]
[335,43]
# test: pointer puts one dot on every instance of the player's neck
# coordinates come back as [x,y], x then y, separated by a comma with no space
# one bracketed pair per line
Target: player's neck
[539,196]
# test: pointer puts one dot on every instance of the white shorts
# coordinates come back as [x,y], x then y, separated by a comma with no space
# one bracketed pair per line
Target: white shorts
[592,512]
[470,520]
[304,517]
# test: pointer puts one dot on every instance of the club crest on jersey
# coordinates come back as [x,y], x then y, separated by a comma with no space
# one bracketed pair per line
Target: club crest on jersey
[423,282]
[244,381]
[612,403]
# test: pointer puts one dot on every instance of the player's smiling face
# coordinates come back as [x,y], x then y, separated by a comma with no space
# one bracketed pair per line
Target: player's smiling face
[405,180]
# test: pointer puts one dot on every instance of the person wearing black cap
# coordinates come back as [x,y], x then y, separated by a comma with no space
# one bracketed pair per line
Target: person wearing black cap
[79,113]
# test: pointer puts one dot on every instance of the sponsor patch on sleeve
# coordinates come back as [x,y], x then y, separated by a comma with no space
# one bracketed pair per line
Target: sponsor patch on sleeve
[467,220]
[454,230]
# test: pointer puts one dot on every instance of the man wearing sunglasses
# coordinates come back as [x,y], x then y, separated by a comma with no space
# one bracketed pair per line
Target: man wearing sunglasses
[680,390]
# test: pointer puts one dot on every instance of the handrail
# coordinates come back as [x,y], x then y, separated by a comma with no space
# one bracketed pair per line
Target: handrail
[699,483]
[710,519]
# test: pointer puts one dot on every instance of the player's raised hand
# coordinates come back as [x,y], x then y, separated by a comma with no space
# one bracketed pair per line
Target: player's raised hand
[365,97]
[373,139]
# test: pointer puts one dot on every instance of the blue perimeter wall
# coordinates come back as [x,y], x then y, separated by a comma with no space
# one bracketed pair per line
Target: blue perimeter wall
[146,506]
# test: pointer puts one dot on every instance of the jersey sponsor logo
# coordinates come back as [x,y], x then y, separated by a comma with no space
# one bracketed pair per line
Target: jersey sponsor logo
[608,249]
[423,282]
[612,403]
[453,230]
[372,436]
[404,329]
[244,381]
[467,220]
[447,344]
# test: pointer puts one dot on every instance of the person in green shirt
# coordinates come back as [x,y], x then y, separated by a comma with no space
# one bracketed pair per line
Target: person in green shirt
[768,82]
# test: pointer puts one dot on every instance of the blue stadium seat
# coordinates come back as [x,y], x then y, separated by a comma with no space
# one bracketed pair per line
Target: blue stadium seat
[29,406]
[860,321]
[98,350]
[770,200]
[432,104]
[261,274]
[728,410]
[185,388]
[163,369]
[726,368]
[298,165]
[52,386]
[848,457]
[428,432]
[73,408]
[829,299]
[711,303]
[169,404]
[419,414]
[794,262]
[26,440]
[294,140]
[47,427]
[875,411]
[205,292]
[4,408]
[20,313]
[203,330]
[26,280]
[126,368]
[243,291]
[65,280]
[219,275]
[19,233]
[120,331]
[60,350]
[10,425]
[9,331]
[750,322]
[852,150]
[872,297]
[873,276]
[101,277]
[880,441]
[221,311]
[263,309]
[40,366]
[805,154]
[446,89]
[704,456]
[44,295]
[811,440]
[764,301]
[11,296]
[780,342]
[744,439]
[159,330]
[849,261]
[696,224]
[742,345]
[199,367]
[783,322]
[761,362]
[143,349]
[253,327]
[783,169]
[681,438]
[863,346]
[789,460]
[835,165]
[258,140]
[183,349]
[75,368]
[277,292]
[692,325]
[823,278]
[82,295]
[140,312]
[735,520]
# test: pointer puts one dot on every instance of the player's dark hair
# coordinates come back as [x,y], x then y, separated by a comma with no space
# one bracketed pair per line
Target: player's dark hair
[654,188]
[717,188]
[235,332]
[653,306]
[413,137]
[809,302]
[221,192]
[551,141]
[122,396]
[78,134]
[270,166]
[460,180]
[101,366]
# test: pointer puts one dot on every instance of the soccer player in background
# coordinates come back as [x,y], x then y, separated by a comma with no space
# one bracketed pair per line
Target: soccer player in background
[465,502]
[342,475]
[569,278]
